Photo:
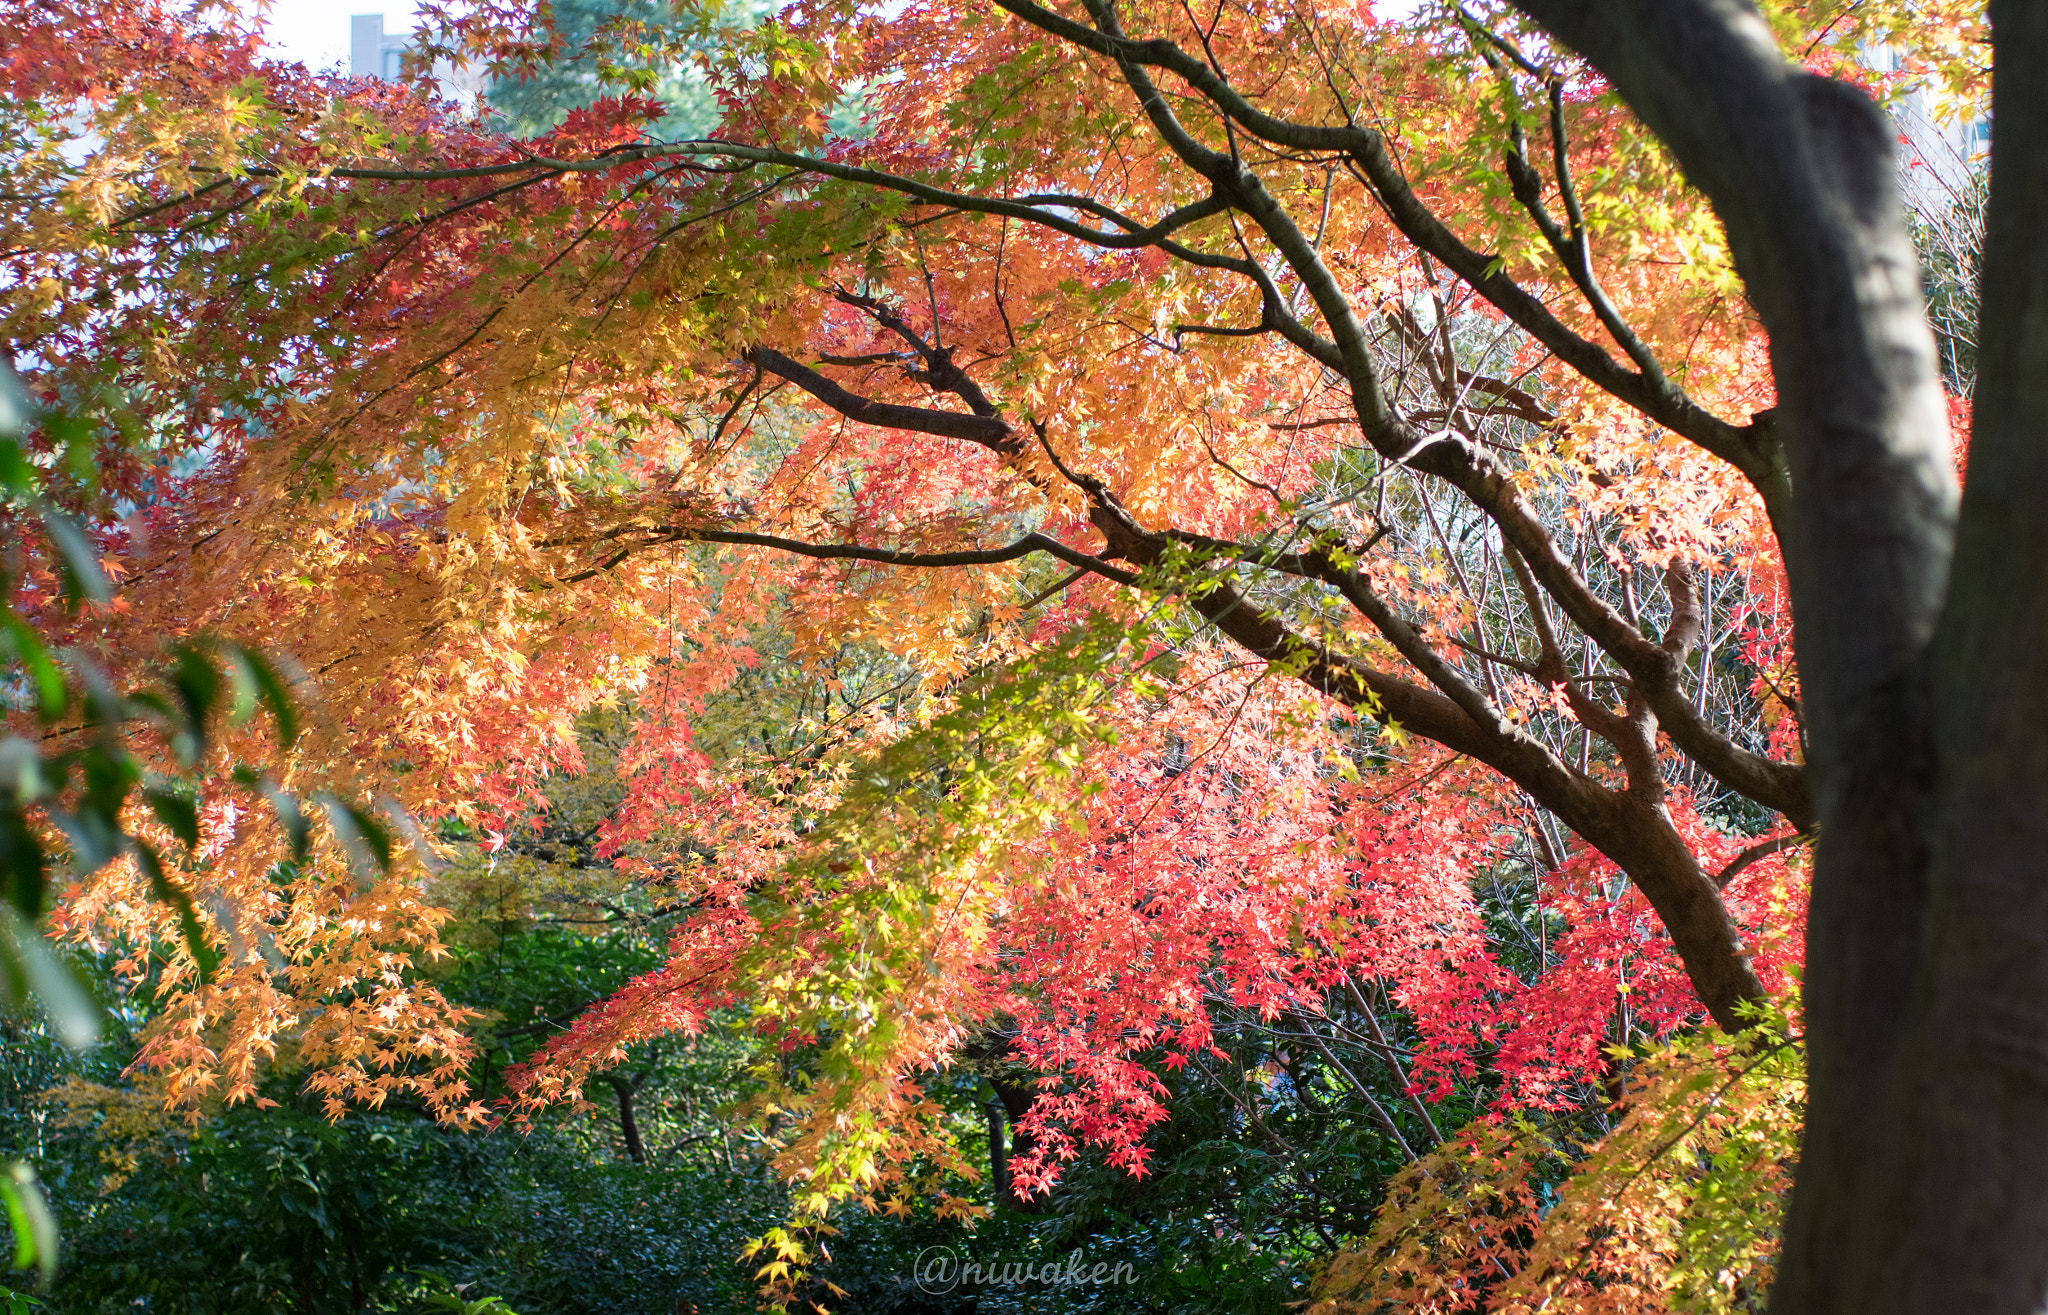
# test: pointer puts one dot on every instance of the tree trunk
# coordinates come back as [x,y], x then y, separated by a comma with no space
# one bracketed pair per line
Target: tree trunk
[629,1126]
[1012,1102]
[1965,1214]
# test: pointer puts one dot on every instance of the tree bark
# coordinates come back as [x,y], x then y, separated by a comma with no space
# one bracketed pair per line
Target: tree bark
[1966,1218]
[1012,1102]
[629,1124]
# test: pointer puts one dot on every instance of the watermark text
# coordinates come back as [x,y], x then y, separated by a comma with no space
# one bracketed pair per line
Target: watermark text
[943,1269]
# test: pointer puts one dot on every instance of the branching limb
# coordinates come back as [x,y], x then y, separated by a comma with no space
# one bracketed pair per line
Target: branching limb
[1511,742]
[1630,829]
[1684,630]
[1513,664]
[1574,246]
[1750,449]
[940,372]
[1031,543]
[1759,851]
[1440,454]
[989,431]
[1592,714]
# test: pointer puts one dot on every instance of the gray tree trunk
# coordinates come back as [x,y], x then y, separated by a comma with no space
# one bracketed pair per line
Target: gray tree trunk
[1968,1217]
[629,1122]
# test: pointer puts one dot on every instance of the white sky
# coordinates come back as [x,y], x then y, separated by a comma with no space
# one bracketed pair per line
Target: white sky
[315,32]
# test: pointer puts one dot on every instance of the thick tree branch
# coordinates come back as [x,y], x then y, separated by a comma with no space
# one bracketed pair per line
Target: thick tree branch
[1574,248]
[989,431]
[853,552]
[1762,850]
[940,372]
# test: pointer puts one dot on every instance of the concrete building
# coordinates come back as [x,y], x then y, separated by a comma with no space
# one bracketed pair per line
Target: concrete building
[375,53]
[1941,150]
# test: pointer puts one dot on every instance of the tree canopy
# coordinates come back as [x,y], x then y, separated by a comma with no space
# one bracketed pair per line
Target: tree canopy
[1172,512]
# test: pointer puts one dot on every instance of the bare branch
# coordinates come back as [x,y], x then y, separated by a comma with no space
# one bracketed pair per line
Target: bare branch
[1759,851]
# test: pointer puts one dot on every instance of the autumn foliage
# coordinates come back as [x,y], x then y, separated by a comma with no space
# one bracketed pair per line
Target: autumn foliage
[1678,1207]
[1217,682]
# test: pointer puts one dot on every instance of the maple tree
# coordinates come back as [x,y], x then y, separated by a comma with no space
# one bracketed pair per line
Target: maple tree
[97,816]
[1290,461]
[1678,1207]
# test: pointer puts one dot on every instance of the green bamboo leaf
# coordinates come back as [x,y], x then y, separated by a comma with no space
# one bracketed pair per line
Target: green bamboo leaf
[78,565]
[33,972]
[270,688]
[362,837]
[28,1213]
[162,887]
[298,828]
[76,436]
[176,812]
[22,862]
[17,409]
[18,637]
[25,776]
[94,835]
[17,475]
[197,684]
